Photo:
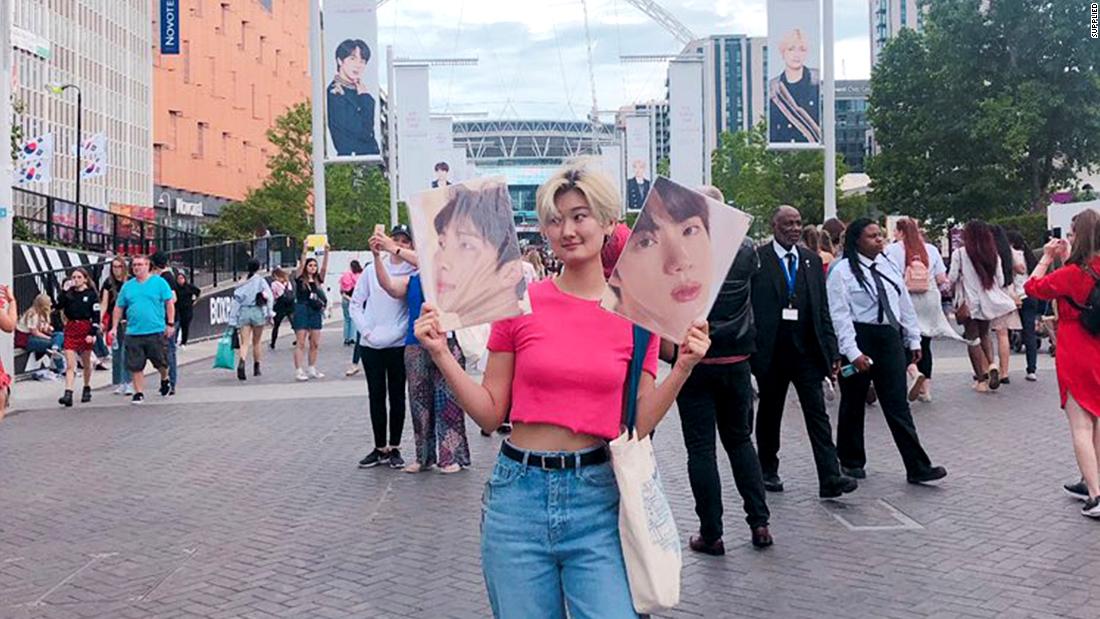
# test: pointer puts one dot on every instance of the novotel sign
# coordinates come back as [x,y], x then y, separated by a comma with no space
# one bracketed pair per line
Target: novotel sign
[169,26]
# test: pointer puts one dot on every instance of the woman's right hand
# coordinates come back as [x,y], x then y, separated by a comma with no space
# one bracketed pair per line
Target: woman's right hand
[429,332]
[1055,248]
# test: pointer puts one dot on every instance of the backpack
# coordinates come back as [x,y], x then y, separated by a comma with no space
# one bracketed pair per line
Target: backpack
[1090,311]
[917,277]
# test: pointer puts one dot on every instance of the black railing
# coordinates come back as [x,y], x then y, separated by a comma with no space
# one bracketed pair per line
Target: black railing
[211,265]
[39,217]
[206,266]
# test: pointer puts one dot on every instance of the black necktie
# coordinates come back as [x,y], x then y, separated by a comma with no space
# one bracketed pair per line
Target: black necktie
[884,308]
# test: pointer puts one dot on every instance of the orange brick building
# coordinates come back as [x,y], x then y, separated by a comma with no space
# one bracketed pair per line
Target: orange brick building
[241,64]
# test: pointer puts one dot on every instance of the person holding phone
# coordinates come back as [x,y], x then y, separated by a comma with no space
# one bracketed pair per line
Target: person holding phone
[875,323]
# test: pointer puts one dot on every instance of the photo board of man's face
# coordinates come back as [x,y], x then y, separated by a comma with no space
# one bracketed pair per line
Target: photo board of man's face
[675,260]
[470,262]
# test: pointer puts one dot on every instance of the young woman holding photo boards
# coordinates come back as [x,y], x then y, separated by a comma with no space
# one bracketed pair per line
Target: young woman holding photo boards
[561,371]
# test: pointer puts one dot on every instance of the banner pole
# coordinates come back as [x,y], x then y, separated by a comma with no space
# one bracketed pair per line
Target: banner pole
[7,209]
[317,66]
[391,133]
[829,113]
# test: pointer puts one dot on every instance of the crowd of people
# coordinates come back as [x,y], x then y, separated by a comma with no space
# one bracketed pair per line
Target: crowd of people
[826,309]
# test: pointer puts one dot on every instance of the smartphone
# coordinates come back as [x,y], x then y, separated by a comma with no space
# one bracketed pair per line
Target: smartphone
[1056,233]
[850,370]
[379,228]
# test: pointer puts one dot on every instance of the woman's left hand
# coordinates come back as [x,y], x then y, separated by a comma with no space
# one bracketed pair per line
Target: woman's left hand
[695,346]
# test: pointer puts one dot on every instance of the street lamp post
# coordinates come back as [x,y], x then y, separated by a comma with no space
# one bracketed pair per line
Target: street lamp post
[58,89]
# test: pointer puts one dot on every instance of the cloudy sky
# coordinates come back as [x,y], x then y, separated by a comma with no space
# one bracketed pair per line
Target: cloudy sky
[533,58]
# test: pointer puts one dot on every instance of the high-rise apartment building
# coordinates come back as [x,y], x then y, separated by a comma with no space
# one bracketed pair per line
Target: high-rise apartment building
[102,48]
[242,64]
[888,17]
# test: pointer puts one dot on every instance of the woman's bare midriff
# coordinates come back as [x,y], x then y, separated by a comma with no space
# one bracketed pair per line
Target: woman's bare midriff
[545,437]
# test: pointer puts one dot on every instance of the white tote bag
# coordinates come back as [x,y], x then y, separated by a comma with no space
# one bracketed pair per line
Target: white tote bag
[650,540]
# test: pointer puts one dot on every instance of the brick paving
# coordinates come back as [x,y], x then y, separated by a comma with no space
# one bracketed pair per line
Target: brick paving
[244,501]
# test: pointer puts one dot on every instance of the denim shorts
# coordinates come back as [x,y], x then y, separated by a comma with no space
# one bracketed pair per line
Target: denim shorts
[550,539]
[252,316]
[306,318]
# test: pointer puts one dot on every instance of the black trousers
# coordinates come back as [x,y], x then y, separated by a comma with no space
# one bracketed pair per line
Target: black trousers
[924,366]
[280,315]
[721,396]
[884,346]
[185,318]
[790,366]
[385,370]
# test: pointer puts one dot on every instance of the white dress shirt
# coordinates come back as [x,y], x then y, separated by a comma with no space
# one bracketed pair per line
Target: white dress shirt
[850,303]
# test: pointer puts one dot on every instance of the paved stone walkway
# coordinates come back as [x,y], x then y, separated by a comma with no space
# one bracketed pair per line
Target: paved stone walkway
[235,500]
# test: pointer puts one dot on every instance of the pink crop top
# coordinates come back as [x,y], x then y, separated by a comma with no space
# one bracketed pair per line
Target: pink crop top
[572,359]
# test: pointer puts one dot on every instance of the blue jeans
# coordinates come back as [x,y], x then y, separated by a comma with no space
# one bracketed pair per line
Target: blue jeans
[172,368]
[41,345]
[119,374]
[349,328]
[550,539]
[1029,311]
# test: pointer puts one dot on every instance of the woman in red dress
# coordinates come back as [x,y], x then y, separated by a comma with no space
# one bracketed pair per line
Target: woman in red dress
[1078,350]
[9,315]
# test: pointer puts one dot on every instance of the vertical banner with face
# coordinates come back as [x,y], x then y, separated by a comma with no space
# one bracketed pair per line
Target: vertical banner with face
[639,160]
[610,161]
[461,169]
[674,262]
[685,110]
[470,263]
[445,169]
[794,79]
[349,38]
[415,159]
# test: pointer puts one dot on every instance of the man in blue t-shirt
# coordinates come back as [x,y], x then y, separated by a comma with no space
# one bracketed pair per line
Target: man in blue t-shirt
[150,311]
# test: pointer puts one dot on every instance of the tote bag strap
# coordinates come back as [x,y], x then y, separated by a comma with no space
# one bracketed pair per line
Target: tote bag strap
[637,360]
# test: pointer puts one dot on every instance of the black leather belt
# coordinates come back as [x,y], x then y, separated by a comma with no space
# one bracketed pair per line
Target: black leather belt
[556,463]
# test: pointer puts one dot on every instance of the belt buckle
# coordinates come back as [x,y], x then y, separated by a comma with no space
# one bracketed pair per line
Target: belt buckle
[546,459]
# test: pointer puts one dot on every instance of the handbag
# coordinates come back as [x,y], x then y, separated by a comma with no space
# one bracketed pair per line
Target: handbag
[225,358]
[650,540]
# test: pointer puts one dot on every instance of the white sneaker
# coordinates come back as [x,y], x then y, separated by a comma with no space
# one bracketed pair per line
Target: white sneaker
[313,373]
[300,375]
[129,389]
[119,390]
[352,371]
[1031,377]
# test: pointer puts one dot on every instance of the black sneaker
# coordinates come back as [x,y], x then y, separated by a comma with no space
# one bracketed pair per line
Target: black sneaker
[772,482]
[837,486]
[932,474]
[86,395]
[139,398]
[1078,490]
[165,387]
[373,459]
[172,391]
[396,461]
[1091,508]
[66,400]
[855,472]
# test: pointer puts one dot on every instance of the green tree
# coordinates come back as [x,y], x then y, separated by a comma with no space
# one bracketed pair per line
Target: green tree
[357,196]
[758,180]
[985,111]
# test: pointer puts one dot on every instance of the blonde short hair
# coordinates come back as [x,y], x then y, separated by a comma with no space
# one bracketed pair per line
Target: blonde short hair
[792,37]
[583,175]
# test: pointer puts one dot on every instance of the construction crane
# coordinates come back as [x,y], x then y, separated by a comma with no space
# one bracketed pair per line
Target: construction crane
[665,19]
